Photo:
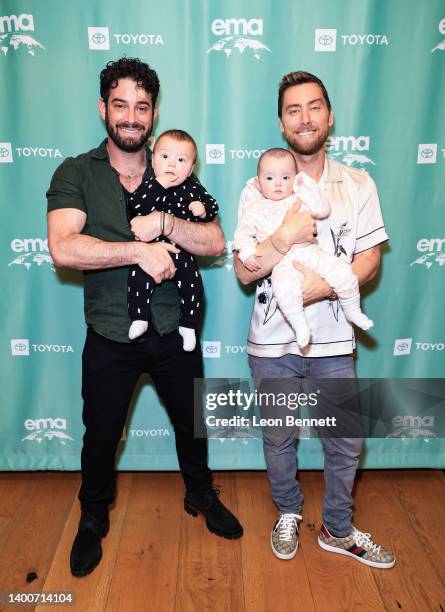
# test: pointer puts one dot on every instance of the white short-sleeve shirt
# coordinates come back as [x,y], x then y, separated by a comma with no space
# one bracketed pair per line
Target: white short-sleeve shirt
[355,224]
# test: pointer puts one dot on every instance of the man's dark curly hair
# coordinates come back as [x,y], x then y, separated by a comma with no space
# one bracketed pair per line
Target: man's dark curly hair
[129,68]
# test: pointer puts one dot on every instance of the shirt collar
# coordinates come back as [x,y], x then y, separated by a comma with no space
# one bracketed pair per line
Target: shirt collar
[101,152]
[331,172]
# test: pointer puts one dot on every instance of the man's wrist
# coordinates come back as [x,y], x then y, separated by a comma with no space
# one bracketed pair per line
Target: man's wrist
[136,252]
[279,242]
[169,225]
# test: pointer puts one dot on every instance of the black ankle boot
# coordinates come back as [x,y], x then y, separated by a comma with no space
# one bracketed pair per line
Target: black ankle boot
[86,552]
[219,520]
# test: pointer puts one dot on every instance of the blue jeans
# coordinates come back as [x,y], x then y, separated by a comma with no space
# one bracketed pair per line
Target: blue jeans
[341,454]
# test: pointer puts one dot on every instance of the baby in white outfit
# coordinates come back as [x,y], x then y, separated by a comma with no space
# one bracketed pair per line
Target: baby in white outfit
[280,185]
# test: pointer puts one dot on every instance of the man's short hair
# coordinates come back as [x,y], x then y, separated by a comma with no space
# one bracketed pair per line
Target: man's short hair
[129,68]
[179,136]
[298,78]
[278,153]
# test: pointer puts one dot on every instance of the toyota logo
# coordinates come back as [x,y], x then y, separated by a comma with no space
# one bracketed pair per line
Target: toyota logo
[215,153]
[4,152]
[20,347]
[402,346]
[325,40]
[98,38]
[211,349]
[427,153]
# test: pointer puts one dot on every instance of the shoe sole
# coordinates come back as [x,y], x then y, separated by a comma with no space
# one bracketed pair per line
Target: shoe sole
[341,551]
[282,556]
[85,572]
[229,536]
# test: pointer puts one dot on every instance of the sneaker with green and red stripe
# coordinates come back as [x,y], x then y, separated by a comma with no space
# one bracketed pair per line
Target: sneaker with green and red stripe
[358,545]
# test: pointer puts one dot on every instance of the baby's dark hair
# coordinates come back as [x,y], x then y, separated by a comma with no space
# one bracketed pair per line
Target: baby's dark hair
[179,136]
[129,68]
[277,152]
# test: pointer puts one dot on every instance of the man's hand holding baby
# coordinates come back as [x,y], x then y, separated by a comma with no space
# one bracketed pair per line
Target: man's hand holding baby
[297,227]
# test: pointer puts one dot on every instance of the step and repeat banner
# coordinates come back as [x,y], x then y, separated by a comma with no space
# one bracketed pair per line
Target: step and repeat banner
[219,64]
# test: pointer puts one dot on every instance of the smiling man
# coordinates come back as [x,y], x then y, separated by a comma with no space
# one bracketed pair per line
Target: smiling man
[353,231]
[88,230]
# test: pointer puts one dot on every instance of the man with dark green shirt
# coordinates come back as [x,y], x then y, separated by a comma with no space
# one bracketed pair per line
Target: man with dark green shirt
[88,230]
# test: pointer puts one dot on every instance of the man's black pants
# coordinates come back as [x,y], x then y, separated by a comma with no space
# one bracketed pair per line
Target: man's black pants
[110,371]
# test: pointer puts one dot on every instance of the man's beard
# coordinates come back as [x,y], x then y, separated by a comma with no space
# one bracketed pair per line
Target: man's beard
[309,148]
[129,144]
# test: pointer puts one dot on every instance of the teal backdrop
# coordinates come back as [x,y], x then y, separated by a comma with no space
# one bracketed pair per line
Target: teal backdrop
[219,63]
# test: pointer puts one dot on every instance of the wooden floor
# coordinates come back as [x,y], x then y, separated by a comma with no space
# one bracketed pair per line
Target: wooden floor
[158,558]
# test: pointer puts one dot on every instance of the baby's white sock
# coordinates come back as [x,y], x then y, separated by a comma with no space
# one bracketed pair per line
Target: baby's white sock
[352,310]
[301,328]
[188,337]
[137,328]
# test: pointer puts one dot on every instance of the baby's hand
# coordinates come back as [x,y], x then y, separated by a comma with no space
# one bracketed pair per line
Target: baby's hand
[252,263]
[197,209]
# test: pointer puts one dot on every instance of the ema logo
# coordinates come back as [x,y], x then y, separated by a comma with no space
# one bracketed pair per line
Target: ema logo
[215,154]
[99,39]
[226,259]
[20,347]
[48,428]
[211,349]
[412,427]
[237,36]
[441,45]
[427,154]
[10,35]
[402,347]
[6,153]
[349,150]
[32,251]
[325,40]
[432,253]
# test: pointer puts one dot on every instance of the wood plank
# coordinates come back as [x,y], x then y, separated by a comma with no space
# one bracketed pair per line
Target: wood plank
[183,567]
[440,476]
[13,487]
[91,592]
[337,582]
[422,497]
[269,583]
[145,572]
[412,583]
[210,569]
[33,531]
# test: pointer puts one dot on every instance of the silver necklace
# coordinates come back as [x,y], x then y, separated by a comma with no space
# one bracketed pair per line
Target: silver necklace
[130,177]
[132,174]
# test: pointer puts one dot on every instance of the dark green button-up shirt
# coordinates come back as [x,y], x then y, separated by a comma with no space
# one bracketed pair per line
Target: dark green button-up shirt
[89,183]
